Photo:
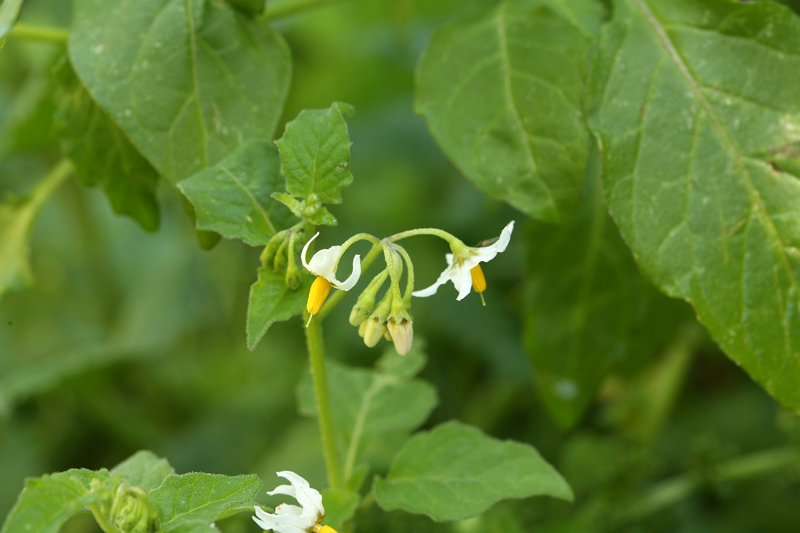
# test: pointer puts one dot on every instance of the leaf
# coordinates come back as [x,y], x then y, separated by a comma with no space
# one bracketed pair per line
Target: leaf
[254,7]
[102,155]
[188,81]
[195,500]
[9,10]
[48,501]
[365,402]
[503,95]
[16,220]
[455,471]
[143,469]
[693,107]
[271,300]
[233,197]
[315,158]
[588,310]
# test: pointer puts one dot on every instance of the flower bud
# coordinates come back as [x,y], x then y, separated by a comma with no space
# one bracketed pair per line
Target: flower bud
[402,335]
[373,331]
[133,512]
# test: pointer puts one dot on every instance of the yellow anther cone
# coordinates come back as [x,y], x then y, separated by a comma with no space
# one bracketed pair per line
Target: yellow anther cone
[316,296]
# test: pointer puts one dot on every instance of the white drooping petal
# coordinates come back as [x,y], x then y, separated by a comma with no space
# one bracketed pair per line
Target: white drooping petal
[323,264]
[462,280]
[291,518]
[444,277]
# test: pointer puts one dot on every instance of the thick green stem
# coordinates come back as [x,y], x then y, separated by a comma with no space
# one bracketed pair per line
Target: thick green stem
[287,8]
[316,354]
[39,33]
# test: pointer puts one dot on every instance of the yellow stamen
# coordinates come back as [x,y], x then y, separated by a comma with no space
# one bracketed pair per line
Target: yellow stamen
[478,281]
[316,296]
[323,529]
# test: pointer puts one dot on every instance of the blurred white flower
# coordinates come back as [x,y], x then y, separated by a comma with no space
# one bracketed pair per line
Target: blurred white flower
[291,518]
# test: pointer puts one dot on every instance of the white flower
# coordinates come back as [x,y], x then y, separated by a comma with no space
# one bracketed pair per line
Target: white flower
[460,269]
[291,518]
[323,264]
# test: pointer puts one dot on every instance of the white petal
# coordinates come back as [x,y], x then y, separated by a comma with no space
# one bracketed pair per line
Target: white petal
[505,237]
[309,498]
[286,508]
[279,524]
[487,253]
[324,262]
[348,284]
[463,281]
[305,250]
[446,275]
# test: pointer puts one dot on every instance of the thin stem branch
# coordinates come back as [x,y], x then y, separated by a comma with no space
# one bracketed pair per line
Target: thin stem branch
[425,231]
[39,33]
[316,354]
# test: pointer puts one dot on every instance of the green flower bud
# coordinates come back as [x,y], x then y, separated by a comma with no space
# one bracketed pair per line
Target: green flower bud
[133,512]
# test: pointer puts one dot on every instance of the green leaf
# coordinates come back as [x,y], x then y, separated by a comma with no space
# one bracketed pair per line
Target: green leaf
[47,502]
[455,471]
[16,220]
[195,500]
[588,310]
[143,469]
[315,157]
[233,197]
[254,7]
[9,10]
[102,155]
[503,96]
[271,300]
[697,115]
[365,402]
[189,81]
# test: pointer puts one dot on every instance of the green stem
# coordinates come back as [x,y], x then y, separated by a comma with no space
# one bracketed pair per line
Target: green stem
[679,487]
[287,8]
[338,295]
[104,524]
[410,276]
[427,231]
[316,354]
[39,33]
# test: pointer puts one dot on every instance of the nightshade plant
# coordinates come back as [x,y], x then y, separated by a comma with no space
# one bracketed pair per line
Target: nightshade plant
[648,152]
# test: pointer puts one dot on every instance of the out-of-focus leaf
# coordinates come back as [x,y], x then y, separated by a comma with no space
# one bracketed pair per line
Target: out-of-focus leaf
[589,311]
[503,96]
[102,155]
[699,121]
[315,159]
[455,471]
[9,10]
[143,469]
[16,219]
[233,197]
[365,402]
[196,500]
[46,502]
[272,300]
[188,81]
[255,7]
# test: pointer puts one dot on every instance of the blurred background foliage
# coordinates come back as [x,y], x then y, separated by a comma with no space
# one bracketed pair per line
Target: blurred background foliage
[130,340]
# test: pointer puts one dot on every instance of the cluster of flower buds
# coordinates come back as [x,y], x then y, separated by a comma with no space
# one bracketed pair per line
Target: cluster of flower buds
[279,255]
[390,318]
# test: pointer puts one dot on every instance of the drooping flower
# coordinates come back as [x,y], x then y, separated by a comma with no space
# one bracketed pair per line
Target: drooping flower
[323,265]
[291,518]
[464,269]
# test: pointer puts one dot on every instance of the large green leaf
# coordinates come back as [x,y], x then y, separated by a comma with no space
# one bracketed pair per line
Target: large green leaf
[101,153]
[48,501]
[16,219]
[143,469]
[272,300]
[233,197]
[192,501]
[315,159]
[698,116]
[503,96]
[9,10]
[455,471]
[588,309]
[189,81]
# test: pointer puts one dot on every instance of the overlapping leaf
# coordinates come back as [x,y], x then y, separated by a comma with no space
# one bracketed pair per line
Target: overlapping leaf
[9,10]
[695,107]
[143,469]
[189,81]
[503,96]
[455,471]
[272,300]
[233,197]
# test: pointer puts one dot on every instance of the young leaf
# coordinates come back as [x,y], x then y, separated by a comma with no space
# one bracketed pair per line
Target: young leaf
[589,311]
[503,96]
[233,197]
[315,158]
[189,81]
[196,500]
[455,471]
[48,501]
[697,114]
[16,219]
[101,153]
[9,10]
[271,300]
[143,469]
